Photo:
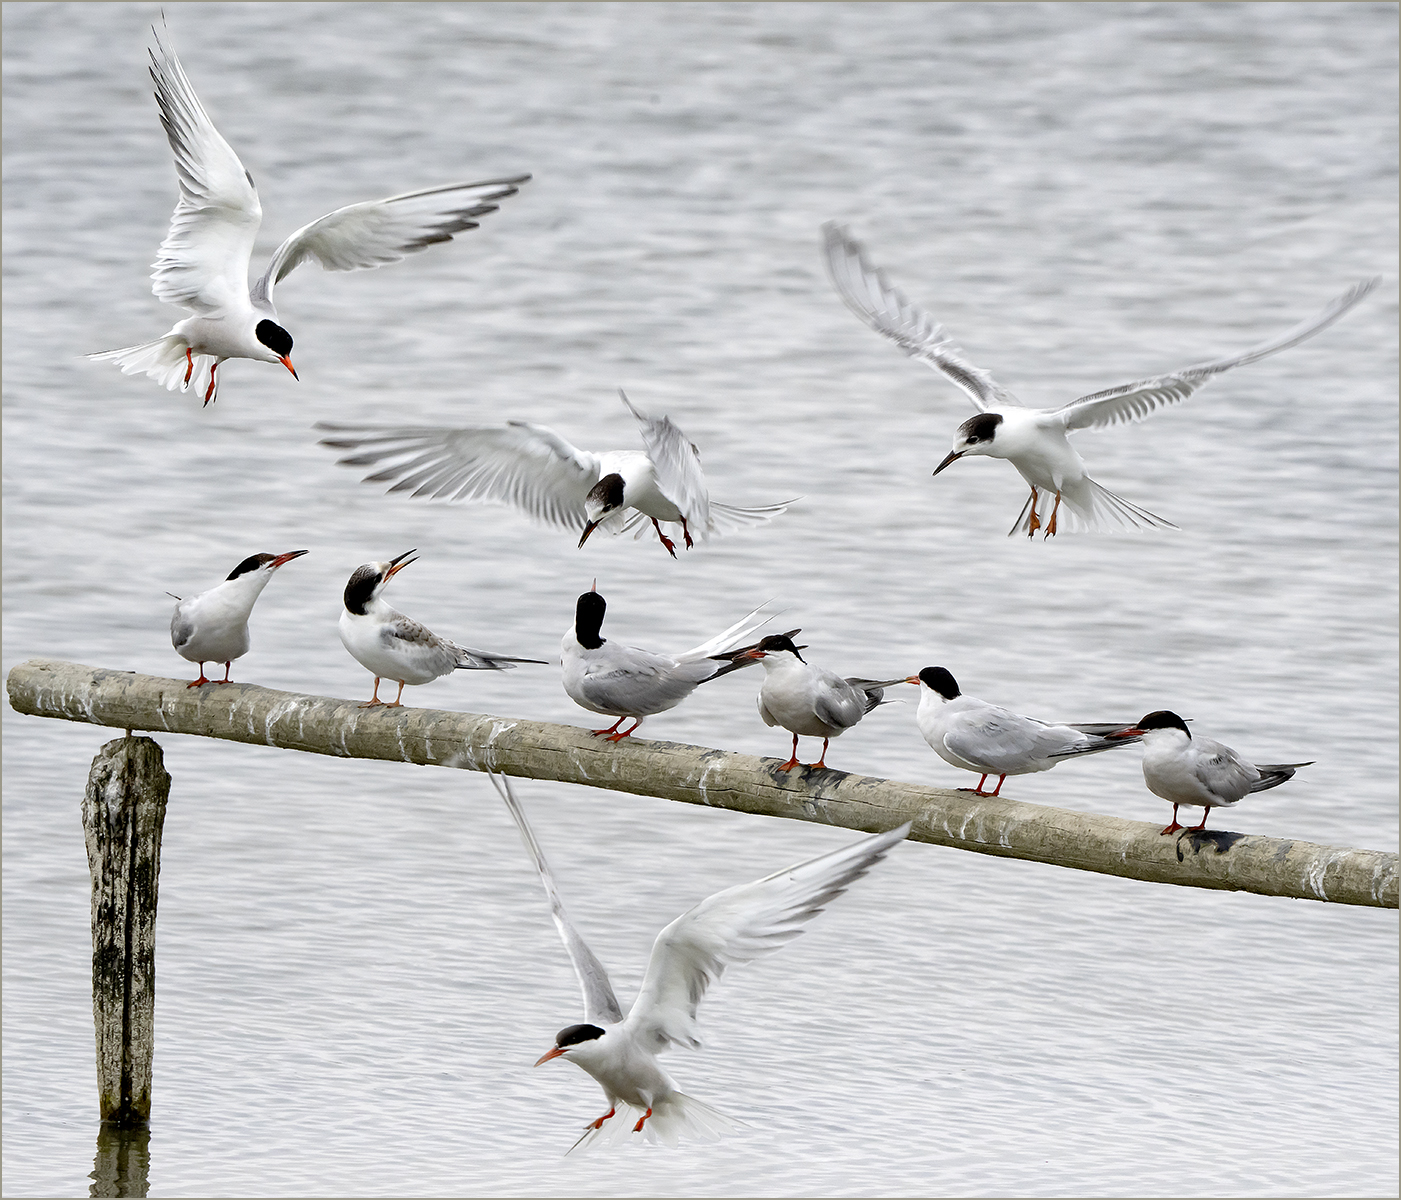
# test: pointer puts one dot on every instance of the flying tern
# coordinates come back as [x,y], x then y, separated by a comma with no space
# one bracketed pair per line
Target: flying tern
[203,262]
[736,925]
[1183,769]
[626,682]
[392,646]
[1034,440]
[977,736]
[213,626]
[537,471]
[807,699]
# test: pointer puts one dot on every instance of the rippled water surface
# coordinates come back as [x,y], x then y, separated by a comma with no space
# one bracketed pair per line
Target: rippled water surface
[356,964]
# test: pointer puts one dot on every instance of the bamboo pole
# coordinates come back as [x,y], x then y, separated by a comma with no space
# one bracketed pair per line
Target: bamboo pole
[698,775]
[123,813]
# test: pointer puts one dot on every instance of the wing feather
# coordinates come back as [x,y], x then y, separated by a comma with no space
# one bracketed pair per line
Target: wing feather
[739,925]
[677,463]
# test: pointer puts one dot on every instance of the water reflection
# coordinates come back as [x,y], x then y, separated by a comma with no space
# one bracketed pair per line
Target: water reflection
[122,1162]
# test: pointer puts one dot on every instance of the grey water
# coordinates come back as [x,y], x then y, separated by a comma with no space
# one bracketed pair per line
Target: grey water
[356,965]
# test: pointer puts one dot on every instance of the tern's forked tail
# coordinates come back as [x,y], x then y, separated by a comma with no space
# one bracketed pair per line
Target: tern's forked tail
[677,1117]
[164,361]
[1087,506]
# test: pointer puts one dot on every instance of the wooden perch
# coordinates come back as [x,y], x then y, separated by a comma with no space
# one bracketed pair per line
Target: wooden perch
[1109,845]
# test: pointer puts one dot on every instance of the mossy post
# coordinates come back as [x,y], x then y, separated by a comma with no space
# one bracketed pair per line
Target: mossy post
[123,813]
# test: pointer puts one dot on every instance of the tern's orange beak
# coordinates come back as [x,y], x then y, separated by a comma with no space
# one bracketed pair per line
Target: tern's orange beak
[1126,733]
[287,362]
[286,558]
[588,529]
[552,1052]
[398,564]
[914,679]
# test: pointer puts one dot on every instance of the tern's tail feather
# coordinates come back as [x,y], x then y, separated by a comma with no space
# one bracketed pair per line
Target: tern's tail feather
[1090,507]
[163,360]
[1275,774]
[738,632]
[677,1117]
[728,516]
[469,659]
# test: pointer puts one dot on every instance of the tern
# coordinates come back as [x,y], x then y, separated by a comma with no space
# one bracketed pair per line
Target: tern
[977,736]
[213,626]
[1198,771]
[537,471]
[627,682]
[1034,440]
[807,699]
[392,646]
[203,262]
[736,925]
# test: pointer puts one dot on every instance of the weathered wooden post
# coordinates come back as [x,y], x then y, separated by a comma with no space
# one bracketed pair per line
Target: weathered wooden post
[123,813]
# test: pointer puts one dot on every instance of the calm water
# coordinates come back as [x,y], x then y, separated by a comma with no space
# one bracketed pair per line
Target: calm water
[356,965]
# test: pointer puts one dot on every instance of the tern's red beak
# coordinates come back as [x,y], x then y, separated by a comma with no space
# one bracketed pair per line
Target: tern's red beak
[398,564]
[287,362]
[552,1052]
[286,558]
[914,679]
[1123,733]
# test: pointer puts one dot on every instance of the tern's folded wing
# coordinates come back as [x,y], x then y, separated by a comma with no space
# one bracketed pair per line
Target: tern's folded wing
[739,925]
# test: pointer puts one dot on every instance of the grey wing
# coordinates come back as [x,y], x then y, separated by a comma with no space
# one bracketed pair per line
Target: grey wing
[203,261]
[181,627]
[527,466]
[872,297]
[1222,771]
[874,690]
[677,462]
[1134,401]
[739,925]
[998,735]
[374,233]
[600,1004]
[470,659]
[838,703]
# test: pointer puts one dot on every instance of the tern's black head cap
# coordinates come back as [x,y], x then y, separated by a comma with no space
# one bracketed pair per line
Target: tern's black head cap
[939,680]
[572,1035]
[980,428]
[607,493]
[274,337]
[361,587]
[1164,719]
[588,620]
[252,563]
[777,642]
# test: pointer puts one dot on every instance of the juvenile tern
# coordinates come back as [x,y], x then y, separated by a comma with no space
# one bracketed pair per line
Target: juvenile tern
[203,262]
[977,736]
[807,699]
[213,626]
[392,646]
[1183,769]
[537,471]
[736,925]
[624,681]
[1034,440]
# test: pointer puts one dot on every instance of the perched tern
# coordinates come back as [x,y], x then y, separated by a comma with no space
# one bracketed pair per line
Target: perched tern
[977,736]
[537,471]
[1034,440]
[806,699]
[203,262]
[1187,770]
[736,925]
[624,681]
[392,646]
[213,626]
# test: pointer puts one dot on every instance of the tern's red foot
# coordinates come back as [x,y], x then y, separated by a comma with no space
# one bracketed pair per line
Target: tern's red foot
[618,737]
[1174,825]
[821,763]
[189,370]
[1206,812]
[638,1127]
[372,704]
[1033,523]
[790,764]
[210,390]
[1051,525]
[201,681]
[611,729]
[666,541]
[686,533]
[997,791]
[599,1123]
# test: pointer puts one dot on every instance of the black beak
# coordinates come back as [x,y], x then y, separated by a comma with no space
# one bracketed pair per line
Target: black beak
[954,455]
[588,529]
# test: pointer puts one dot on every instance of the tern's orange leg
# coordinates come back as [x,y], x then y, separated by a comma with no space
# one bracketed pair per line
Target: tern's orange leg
[189,370]
[686,533]
[395,703]
[374,701]
[1033,523]
[201,680]
[638,1127]
[666,541]
[599,1123]
[792,762]
[612,728]
[977,791]
[821,762]
[1051,525]
[1206,812]
[209,391]
[998,789]
[227,665]
[1174,824]
[618,737]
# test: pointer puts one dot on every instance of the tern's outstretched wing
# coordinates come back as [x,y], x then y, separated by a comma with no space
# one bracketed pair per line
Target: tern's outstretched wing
[739,925]
[1134,401]
[872,297]
[677,462]
[527,466]
[203,262]
[376,232]
[600,1004]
